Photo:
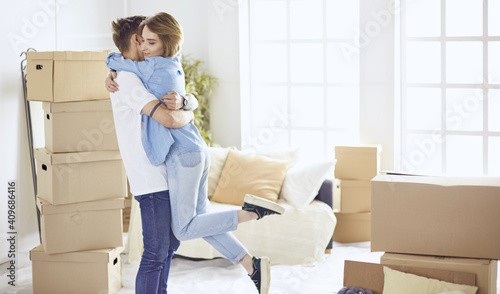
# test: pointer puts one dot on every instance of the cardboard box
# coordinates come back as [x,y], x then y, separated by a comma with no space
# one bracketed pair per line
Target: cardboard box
[79,126]
[370,276]
[64,178]
[81,226]
[96,271]
[357,162]
[436,216]
[63,76]
[485,270]
[352,196]
[352,227]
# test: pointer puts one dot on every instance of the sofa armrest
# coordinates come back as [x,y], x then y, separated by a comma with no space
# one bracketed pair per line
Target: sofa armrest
[325,195]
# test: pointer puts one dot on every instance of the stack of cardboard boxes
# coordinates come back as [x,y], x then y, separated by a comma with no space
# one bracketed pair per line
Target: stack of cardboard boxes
[80,176]
[438,223]
[355,167]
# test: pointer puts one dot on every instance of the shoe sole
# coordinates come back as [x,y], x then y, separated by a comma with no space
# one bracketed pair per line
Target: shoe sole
[265,280]
[267,204]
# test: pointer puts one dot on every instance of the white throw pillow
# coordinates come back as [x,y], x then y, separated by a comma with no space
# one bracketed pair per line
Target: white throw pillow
[396,282]
[303,181]
[218,157]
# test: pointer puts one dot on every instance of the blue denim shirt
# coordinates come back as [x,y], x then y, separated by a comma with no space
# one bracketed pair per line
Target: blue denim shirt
[160,75]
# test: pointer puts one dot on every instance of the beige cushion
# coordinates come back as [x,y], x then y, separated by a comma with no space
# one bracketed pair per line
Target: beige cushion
[396,282]
[249,174]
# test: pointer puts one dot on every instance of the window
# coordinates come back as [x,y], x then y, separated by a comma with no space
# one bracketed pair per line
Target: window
[304,87]
[450,87]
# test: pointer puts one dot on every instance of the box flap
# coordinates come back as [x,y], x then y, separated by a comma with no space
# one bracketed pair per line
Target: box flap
[353,183]
[370,276]
[370,149]
[80,106]
[40,55]
[353,216]
[81,55]
[439,180]
[46,156]
[408,258]
[101,255]
[47,208]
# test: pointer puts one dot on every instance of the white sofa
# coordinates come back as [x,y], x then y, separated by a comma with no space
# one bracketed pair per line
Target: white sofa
[299,236]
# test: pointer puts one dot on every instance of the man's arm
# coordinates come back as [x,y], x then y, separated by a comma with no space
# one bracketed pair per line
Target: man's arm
[168,118]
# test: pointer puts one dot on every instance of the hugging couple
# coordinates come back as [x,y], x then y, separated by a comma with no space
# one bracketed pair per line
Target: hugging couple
[165,158]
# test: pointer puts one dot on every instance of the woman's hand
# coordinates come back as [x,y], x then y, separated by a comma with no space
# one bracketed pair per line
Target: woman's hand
[173,100]
[111,85]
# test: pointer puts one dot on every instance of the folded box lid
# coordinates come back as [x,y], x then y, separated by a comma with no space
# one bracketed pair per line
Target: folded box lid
[68,55]
[108,204]
[79,106]
[48,157]
[90,256]
[437,180]
[361,149]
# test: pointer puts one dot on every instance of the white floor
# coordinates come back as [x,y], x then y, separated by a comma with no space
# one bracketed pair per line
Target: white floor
[219,276]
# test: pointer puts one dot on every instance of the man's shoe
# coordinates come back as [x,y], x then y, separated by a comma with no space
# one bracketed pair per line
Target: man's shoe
[261,206]
[261,275]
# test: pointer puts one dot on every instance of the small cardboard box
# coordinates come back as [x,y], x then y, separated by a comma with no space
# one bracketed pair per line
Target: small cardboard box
[357,162]
[81,226]
[64,178]
[484,269]
[95,271]
[63,76]
[370,276]
[352,227]
[79,126]
[352,196]
[442,216]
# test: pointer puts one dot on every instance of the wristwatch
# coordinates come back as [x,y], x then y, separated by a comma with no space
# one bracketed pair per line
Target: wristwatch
[184,102]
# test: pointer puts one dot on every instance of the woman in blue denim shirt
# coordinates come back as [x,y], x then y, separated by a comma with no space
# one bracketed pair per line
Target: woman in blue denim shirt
[185,153]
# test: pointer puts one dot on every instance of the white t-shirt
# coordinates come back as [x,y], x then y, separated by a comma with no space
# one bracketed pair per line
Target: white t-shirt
[128,101]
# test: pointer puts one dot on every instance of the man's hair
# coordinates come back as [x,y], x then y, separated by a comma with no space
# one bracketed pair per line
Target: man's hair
[168,30]
[123,29]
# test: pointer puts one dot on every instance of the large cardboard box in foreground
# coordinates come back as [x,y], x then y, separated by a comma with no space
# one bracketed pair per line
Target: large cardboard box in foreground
[81,226]
[443,216]
[352,227]
[79,126]
[62,76]
[484,269]
[64,178]
[352,196]
[96,271]
[357,162]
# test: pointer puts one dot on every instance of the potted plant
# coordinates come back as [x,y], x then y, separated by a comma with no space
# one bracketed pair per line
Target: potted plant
[200,84]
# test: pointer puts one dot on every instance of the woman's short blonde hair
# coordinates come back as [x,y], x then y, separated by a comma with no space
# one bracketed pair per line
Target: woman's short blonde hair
[168,30]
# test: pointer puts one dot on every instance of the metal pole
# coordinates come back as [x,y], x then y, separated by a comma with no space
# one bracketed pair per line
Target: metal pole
[30,131]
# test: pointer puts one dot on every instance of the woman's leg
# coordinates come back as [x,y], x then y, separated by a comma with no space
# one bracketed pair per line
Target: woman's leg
[159,243]
[187,181]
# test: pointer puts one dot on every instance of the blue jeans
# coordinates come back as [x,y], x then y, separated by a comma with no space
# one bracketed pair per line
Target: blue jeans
[159,243]
[187,173]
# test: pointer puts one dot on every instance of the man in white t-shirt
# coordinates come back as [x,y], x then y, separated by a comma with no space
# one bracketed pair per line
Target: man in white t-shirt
[148,183]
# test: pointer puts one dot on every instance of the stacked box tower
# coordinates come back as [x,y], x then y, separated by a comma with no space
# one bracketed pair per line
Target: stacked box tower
[81,182]
[355,167]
